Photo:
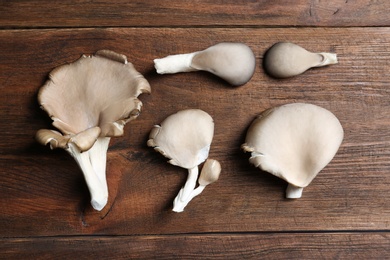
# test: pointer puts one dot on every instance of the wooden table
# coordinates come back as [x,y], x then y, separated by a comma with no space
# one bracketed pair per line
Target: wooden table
[344,213]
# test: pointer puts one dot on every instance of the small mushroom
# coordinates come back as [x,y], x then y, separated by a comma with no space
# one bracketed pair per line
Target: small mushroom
[209,174]
[90,101]
[285,59]
[233,62]
[185,138]
[294,142]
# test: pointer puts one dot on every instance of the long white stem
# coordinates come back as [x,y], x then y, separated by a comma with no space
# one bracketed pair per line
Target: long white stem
[178,205]
[98,157]
[97,189]
[184,194]
[190,183]
[293,192]
[174,63]
[196,192]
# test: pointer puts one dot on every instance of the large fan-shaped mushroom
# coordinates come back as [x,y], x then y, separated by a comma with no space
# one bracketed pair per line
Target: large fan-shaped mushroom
[294,142]
[185,138]
[89,101]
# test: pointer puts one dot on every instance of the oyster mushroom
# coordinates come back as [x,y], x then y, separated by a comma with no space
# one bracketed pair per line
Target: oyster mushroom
[294,142]
[209,174]
[185,138]
[285,59]
[233,62]
[90,101]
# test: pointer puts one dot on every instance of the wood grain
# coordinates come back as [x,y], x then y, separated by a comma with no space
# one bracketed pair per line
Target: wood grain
[343,214]
[350,194]
[225,246]
[157,13]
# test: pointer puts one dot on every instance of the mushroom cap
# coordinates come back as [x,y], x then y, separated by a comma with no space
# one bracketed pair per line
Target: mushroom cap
[95,96]
[294,141]
[286,59]
[210,172]
[184,137]
[234,62]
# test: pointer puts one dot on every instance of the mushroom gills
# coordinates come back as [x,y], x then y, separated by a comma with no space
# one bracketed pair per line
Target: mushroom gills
[90,101]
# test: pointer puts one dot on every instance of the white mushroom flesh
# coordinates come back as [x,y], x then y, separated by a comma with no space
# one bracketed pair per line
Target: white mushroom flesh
[294,142]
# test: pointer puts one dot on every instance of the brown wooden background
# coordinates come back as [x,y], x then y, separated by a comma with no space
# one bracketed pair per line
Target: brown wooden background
[344,213]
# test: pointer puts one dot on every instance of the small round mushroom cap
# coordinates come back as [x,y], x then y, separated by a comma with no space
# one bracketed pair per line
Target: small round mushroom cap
[184,137]
[294,141]
[210,172]
[233,62]
[285,59]
[93,96]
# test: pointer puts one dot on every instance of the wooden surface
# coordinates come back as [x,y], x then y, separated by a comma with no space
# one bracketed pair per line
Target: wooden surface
[344,213]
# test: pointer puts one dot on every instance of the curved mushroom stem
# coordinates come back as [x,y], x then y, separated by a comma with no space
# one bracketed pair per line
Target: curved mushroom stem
[184,195]
[178,205]
[174,63]
[97,188]
[327,59]
[293,192]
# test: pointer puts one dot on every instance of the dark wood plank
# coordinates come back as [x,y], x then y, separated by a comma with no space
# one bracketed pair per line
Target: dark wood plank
[221,246]
[82,13]
[43,192]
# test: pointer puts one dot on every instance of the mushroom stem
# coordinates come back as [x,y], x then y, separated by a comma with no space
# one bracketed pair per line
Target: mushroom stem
[327,59]
[184,195]
[174,63]
[293,192]
[209,174]
[196,192]
[190,183]
[97,188]
[178,205]
[98,157]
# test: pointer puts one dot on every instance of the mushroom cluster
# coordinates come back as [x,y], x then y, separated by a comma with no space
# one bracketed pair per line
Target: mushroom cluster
[185,138]
[90,101]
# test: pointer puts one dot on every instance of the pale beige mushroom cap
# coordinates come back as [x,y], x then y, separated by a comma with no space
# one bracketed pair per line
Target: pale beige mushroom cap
[234,62]
[184,137]
[286,59]
[97,91]
[210,172]
[294,142]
